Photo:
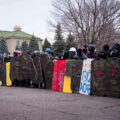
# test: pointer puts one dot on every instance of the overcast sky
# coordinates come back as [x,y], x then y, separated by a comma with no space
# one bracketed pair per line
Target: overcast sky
[31,15]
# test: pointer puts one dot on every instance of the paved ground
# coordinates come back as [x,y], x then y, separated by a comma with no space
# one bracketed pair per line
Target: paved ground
[37,104]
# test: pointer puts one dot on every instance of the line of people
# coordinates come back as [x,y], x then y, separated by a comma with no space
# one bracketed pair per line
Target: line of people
[86,52]
[28,67]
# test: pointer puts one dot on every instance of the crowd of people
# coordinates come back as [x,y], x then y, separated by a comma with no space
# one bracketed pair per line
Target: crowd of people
[88,51]
[22,72]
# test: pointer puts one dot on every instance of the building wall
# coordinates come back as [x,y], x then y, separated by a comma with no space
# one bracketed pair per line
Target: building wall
[12,42]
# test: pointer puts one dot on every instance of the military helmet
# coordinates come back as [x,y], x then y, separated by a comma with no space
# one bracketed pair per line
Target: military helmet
[106,47]
[91,48]
[116,46]
[72,49]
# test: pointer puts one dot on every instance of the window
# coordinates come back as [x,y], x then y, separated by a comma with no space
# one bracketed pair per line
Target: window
[17,45]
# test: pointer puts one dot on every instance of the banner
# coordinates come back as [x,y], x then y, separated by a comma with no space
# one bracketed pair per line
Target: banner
[8,81]
[67,78]
[67,85]
[86,77]
[58,75]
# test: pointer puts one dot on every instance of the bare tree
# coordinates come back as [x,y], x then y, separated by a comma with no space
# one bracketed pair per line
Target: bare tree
[91,21]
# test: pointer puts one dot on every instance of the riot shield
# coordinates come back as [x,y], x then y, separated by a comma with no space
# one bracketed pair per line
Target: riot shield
[37,64]
[49,75]
[44,60]
[76,76]
[27,69]
[68,75]
[1,66]
[105,78]
[2,72]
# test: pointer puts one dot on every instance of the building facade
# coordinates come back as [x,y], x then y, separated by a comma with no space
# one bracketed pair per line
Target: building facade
[15,38]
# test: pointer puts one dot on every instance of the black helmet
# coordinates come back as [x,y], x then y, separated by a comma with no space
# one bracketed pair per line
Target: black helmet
[91,48]
[106,47]
[116,46]
[66,54]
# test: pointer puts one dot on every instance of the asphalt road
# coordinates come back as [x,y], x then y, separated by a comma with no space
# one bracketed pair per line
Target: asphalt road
[37,104]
